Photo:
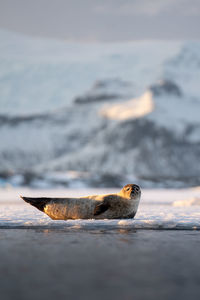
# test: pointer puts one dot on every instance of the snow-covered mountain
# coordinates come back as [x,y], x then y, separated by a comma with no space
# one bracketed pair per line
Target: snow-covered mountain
[103,114]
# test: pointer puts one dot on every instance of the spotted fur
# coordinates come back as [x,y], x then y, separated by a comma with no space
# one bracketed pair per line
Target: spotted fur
[111,206]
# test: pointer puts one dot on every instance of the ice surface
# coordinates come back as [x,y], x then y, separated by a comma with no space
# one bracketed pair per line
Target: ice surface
[157,210]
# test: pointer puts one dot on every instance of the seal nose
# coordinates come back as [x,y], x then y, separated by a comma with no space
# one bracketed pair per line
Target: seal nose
[135,188]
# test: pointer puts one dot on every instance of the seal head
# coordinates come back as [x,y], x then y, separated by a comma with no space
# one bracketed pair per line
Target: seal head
[130,191]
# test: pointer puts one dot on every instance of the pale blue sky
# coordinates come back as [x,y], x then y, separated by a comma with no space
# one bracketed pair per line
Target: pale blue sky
[103,20]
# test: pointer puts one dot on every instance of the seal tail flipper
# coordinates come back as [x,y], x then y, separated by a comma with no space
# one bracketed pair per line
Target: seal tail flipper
[39,203]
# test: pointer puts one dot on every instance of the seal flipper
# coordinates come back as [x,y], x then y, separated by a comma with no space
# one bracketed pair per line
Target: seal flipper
[101,208]
[130,216]
[39,203]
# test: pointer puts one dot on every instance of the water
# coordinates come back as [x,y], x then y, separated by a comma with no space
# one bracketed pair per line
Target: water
[99,264]
[101,259]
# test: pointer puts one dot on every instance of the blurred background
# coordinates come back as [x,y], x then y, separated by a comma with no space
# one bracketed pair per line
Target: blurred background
[99,93]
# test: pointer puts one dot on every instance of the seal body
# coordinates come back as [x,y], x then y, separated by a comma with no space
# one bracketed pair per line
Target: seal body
[111,206]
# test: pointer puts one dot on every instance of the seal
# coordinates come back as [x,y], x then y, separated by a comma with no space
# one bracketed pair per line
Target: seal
[111,206]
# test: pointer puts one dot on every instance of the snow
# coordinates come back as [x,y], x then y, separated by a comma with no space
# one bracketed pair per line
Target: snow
[157,109]
[99,109]
[39,75]
[187,202]
[158,209]
[134,108]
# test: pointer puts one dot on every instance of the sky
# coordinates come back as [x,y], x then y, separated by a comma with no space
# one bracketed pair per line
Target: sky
[103,20]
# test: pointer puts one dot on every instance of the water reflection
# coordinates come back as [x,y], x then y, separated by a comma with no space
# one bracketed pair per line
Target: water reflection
[83,229]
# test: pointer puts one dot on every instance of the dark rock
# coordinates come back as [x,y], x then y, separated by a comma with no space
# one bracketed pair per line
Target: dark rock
[166,87]
[95,98]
